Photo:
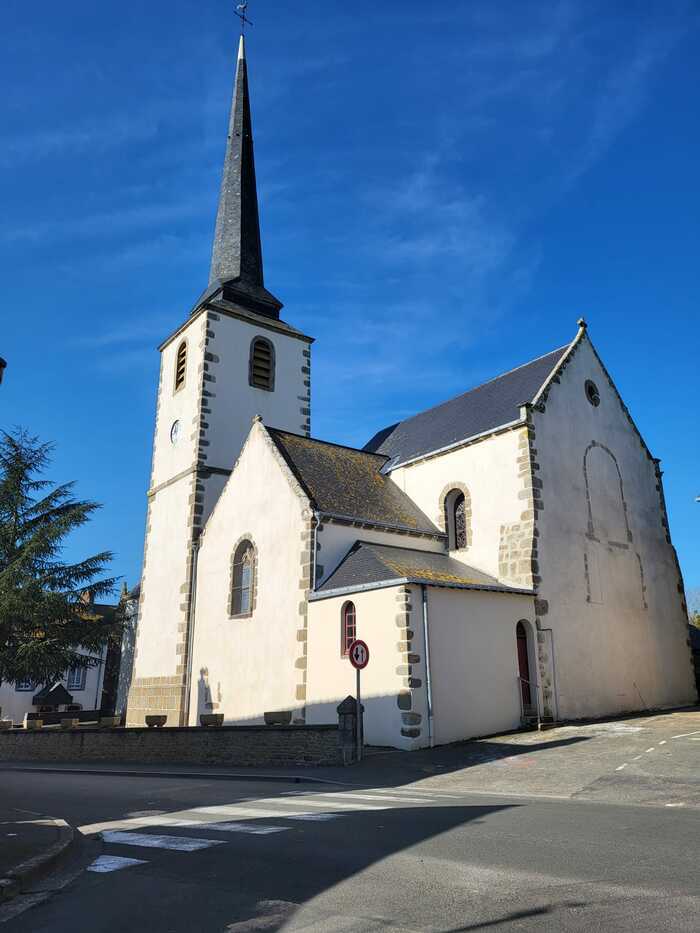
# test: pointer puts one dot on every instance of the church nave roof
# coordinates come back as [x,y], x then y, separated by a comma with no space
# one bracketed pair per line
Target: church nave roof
[349,484]
[484,408]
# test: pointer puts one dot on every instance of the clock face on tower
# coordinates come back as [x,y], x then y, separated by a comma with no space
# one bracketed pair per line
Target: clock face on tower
[175,432]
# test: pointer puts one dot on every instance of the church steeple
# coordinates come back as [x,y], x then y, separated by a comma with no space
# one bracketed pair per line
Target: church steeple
[236,262]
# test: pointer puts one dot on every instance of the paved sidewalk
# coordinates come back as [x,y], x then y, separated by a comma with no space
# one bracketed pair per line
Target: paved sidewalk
[30,843]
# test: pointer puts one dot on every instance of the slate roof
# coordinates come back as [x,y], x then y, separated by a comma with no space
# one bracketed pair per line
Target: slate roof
[348,483]
[52,695]
[482,409]
[368,565]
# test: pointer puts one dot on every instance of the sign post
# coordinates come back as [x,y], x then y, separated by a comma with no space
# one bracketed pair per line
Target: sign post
[358,652]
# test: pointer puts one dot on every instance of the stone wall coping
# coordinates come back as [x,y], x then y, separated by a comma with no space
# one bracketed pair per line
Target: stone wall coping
[205,730]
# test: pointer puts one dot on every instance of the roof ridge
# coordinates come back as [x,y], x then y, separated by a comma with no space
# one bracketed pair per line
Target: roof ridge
[318,440]
[508,372]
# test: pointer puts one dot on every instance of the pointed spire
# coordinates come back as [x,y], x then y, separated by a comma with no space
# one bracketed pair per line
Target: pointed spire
[236,262]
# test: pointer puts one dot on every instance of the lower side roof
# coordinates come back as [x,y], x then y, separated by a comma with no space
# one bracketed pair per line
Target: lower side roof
[371,566]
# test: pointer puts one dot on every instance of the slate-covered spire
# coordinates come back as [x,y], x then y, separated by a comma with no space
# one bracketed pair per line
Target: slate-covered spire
[236,262]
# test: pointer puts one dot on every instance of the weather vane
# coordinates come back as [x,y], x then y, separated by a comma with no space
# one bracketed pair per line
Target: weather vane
[241,10]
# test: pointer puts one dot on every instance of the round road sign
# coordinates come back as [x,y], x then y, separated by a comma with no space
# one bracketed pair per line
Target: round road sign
[358,652]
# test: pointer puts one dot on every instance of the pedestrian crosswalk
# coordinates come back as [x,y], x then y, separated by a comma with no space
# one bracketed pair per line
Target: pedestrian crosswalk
[248,816]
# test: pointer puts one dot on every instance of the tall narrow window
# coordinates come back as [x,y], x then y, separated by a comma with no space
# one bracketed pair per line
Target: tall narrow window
[243,580]
[261,374]
[348,627]
[180,365]
[456,523]
[77,677]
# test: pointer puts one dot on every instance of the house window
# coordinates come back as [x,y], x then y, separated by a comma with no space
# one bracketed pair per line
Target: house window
[76,678]
[181,365]
[243,580]
[348,627]
[24,684]
[456,519]
[261,373]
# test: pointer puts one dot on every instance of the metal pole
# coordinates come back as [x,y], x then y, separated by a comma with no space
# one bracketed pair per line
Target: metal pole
[428,673]
[359,718]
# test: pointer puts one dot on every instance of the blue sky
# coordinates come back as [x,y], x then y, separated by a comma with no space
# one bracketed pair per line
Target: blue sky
[445,189]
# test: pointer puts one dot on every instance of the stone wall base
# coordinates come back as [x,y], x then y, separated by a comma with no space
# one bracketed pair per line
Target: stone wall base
[236,746]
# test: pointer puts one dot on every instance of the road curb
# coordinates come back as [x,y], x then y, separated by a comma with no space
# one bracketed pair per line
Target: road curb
[199,775]
[16,880]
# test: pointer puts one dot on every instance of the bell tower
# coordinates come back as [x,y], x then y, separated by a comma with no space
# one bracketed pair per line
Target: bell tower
[233,358]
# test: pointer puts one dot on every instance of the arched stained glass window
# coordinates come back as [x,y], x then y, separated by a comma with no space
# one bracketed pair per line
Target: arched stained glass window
[348,627]
[243,579]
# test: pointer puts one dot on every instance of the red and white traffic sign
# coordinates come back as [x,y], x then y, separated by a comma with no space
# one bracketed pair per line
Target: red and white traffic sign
[358,652]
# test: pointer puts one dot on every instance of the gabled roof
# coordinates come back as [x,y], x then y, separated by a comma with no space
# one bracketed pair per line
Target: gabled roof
[483,409]
[369,566]
[52,695]
[348,484]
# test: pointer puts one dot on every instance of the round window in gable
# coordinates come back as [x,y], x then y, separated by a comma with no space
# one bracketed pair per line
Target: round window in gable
[592,393]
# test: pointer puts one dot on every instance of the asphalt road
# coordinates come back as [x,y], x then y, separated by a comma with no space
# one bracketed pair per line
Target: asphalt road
[246,856]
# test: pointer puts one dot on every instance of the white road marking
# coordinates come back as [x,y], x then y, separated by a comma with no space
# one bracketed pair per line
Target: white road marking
[244,828]
[177,843]
[649,750]
[685,735]
[622,767]
[107,863]
[636,758]
[675,804]
[314,817]
[662,742]
[354,796]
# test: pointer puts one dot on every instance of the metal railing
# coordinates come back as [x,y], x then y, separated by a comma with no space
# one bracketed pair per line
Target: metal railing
[531,712]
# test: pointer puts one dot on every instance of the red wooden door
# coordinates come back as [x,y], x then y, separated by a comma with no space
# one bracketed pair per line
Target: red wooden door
[523,664]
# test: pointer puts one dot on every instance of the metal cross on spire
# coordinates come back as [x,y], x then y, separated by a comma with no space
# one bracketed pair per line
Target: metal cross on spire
[241,10]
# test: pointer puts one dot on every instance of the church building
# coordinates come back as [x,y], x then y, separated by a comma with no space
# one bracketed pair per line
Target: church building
[506,554]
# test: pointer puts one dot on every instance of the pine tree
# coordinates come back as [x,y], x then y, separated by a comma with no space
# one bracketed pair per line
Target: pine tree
[46,625]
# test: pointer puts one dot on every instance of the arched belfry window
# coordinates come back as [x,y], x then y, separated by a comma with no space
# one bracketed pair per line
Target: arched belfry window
[243,573]
[181,365]
[348,627]
[457,519]
[261,370]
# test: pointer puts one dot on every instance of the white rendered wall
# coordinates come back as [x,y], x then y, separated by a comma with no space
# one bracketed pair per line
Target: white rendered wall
[331,677]
[164,571]
[611,653]
[235,403]
[474,661]
[244,667]
[488,469]
[334,542]
[171,459]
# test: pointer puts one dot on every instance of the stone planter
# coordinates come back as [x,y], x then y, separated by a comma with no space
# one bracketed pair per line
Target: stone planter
[156,722]
[279,718]
[5,725]
[110,722]
[211,719]
[69,723]
[33,724]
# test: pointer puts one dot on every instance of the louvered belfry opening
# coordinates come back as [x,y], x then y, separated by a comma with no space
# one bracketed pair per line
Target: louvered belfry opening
[262,364]
[180,366]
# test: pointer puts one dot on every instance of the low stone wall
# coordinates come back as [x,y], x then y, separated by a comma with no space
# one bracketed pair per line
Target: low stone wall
[239,746]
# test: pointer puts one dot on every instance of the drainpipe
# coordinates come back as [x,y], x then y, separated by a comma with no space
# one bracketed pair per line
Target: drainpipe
[315,521]
[190,630]
[428,679]
[555,688]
